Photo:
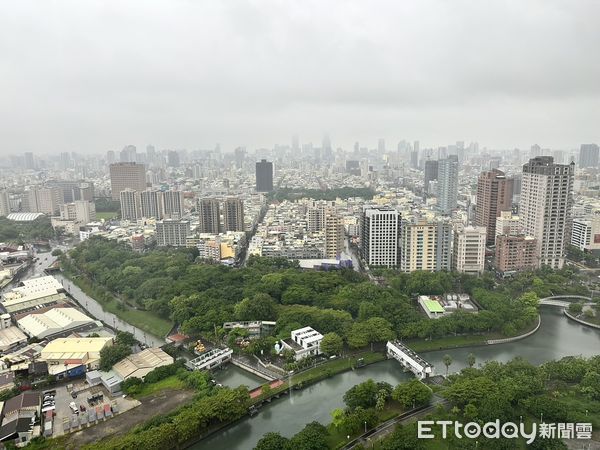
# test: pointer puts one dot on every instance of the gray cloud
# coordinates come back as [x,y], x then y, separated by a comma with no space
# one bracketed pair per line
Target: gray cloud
[95,75]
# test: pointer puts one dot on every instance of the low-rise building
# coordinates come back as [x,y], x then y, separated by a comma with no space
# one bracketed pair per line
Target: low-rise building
[55,322]
[11,337]
[67,357]
[19,360]
[20,418]
[140,364]
[304,342]
[438,306]
[255,328]
[33,293]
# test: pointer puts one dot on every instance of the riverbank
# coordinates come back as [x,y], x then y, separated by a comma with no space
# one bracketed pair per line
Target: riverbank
[581,321]
[474,340]
[144,320]
[301,381]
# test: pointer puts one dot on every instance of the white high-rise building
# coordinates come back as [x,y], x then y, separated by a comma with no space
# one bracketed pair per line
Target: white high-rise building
[468,254]
[170,232]
[545,207]
[81,211]
[380,236]
[447,184]
[581,233]
[130,205]
[151,203]
[173,204]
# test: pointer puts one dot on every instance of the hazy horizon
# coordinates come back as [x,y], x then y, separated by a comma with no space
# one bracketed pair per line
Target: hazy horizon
[94,76]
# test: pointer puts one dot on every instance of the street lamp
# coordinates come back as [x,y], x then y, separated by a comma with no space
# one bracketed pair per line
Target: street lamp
[365,426]
[542,417]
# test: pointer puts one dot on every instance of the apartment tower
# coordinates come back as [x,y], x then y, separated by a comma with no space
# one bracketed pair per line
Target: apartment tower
[494,195]
[545,207]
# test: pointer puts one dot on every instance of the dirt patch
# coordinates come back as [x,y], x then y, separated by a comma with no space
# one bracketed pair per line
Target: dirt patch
[151,406]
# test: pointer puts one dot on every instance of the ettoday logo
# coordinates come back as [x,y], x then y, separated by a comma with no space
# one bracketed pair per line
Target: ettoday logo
[508,430]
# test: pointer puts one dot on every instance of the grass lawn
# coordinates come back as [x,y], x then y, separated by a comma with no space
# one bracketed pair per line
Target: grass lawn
[144,320]
[106,215]
[445,343]
[172,382]
[335,366]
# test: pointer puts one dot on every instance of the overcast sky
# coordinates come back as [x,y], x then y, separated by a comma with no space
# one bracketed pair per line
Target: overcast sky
[92,76]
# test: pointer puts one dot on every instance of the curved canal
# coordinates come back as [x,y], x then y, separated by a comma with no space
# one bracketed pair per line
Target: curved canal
[95,309]
[556,338]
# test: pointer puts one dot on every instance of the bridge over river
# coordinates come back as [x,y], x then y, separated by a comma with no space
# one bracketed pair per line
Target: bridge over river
[562,300]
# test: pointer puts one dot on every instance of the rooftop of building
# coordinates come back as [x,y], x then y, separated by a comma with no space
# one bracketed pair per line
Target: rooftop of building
[149,358]
[74,348]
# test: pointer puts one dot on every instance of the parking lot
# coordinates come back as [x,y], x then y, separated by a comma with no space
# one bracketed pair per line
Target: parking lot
[89,413]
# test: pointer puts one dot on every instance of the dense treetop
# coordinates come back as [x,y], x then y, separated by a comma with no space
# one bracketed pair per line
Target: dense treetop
[201,296]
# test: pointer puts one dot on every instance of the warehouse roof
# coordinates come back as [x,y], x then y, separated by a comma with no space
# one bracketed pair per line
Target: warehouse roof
[74,348]
[140,364]
[53,321]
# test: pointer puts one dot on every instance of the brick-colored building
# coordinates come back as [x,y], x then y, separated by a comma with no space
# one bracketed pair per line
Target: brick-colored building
[514,253]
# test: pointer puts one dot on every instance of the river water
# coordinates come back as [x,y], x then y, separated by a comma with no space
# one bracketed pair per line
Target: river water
[556,338]
[95,309]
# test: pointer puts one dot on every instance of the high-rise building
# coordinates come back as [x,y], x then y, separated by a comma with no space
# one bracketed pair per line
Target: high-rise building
[210,215]
[173,158]
[316,217]
[29,161]
[233,214]
[151,203]
[173,204]
[353,167]
[172,232]
[81,211]
[130,204]
[334,235]
[426,245]
[588,155]
[74,190]
[45,200]
[65,160]
[239,157]
[128,154]
[516,253]
[380,236]
[468,254]
[581,233]
[447,184]
[507,223]
[414,159]
[264,176]
[545,207]
[430,173]
[4,203]
[127,175]
[110,157]
[494,195]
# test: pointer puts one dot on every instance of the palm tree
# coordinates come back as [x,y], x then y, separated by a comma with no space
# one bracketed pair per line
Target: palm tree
[471,359]
[447,359]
